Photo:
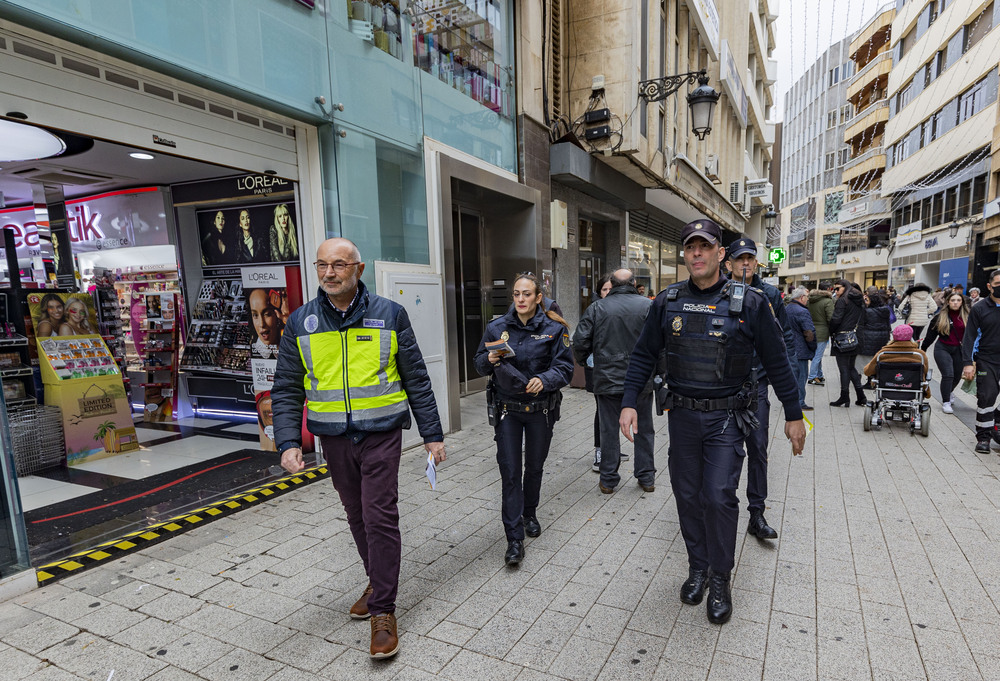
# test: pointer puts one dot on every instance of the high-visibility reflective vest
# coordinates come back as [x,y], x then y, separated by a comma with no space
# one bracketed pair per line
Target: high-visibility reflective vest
[352,371]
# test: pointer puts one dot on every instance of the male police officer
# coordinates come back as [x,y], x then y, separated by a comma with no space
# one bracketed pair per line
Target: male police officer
[743,261]
[710,328]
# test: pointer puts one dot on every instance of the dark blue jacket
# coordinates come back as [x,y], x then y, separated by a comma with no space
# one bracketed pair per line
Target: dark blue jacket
[778,305]
[802,328]
[372,312]
[541,348]
[758,323]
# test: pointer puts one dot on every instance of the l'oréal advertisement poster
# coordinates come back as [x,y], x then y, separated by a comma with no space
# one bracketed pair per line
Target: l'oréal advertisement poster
[255,234]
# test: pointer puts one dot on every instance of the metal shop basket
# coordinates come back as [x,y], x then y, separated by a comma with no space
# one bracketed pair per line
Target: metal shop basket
[37,435]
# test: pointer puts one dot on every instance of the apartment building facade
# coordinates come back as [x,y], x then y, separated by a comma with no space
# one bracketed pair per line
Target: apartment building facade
[942,110]
[624,192]
[813,155]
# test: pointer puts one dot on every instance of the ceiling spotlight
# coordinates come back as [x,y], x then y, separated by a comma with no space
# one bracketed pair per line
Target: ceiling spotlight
[141,156]
[22,142]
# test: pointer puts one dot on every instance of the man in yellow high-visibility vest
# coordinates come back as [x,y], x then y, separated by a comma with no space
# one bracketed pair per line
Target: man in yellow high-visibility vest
[351,359]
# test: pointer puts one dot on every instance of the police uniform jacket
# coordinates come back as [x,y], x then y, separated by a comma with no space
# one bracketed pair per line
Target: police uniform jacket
[778,305]
[362,373]
[541,348]
[609,329]
[709,351]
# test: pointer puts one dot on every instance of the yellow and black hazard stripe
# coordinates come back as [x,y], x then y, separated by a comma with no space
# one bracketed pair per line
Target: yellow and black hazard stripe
[157,532]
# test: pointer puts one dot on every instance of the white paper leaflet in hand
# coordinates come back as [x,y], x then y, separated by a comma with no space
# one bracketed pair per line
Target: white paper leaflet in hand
[431,471]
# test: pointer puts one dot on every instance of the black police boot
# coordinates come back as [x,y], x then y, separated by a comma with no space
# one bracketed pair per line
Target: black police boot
[983,447]
[515,552]
[531,526]
[693,589]
[759,528]
[720,600]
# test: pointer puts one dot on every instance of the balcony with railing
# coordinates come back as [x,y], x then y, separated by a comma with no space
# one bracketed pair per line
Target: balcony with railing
[875,70]
[870,116]
[871,161]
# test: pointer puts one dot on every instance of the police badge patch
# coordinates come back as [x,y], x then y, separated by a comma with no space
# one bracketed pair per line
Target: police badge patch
[566,340]
[311,323]
[504,336]
[677,323]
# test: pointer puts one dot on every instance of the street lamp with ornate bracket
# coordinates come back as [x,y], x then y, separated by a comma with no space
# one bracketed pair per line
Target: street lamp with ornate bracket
[701,100]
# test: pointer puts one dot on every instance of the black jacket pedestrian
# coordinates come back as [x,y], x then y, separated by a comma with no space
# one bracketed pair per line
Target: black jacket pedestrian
[875,329]
[541,348]
[609,329]
[847,313]
[982,333]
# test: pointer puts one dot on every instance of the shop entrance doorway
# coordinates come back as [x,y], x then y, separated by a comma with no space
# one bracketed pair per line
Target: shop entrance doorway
[470,295]
[181,302]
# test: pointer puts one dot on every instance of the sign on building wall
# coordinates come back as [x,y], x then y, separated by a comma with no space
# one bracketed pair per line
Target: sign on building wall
[909,234]
[760,189]
[706,16]
[733,84]
[831,247]
[832,204]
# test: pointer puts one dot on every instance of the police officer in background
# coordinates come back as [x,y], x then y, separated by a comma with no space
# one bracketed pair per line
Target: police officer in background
[525,405]
[711,329]
[743,264]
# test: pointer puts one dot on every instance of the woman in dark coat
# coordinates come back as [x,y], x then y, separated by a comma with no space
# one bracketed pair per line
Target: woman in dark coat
[875,329]
[847,314]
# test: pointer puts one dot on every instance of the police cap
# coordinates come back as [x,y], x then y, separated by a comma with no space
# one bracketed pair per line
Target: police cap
[742,244]
[708,230]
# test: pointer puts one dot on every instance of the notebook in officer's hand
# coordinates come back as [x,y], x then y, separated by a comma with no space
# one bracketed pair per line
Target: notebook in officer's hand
[501,346]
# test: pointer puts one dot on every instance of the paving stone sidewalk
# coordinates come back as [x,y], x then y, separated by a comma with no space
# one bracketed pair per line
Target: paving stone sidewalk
[886,568]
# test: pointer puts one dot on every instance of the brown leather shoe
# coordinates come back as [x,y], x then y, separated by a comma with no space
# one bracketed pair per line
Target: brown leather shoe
[385,642]
[359,610]
[605,490]
[647,488]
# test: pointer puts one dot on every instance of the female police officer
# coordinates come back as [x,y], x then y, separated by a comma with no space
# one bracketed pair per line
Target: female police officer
[527,386]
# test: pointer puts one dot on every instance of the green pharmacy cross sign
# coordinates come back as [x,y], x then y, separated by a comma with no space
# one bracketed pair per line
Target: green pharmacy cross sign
[776,255]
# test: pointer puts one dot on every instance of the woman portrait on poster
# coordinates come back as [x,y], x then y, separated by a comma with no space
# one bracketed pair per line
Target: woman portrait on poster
[76,323]
[216,247]
[53,312]
[284,246]
[250,248]
[265,306]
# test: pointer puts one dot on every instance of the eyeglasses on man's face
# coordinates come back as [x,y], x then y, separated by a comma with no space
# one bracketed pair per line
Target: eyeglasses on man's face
[338,267]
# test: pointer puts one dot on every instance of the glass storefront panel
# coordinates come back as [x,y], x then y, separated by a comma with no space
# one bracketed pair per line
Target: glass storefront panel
[644,259]
[668,265]
[383,206]
[13,541]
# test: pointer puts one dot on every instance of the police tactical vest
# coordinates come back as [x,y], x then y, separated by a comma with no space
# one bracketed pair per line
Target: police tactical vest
[706,349]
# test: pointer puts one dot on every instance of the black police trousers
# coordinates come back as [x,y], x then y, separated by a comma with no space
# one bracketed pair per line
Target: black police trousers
[705,459]
[987,391]
[529,434]
[757,451]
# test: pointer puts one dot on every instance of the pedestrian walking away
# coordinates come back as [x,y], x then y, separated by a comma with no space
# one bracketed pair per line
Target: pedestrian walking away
[608,330]
[874,329]
[529,364]
[710,329]
[948,329]
[821,311]
[603,288]
[804,333]
[743,262]
[351,359]
[981,361]
[847,313]
[917,307]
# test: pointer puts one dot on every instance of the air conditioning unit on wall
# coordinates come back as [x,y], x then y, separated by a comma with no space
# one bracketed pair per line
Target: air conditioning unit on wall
[735,194]
[712,168]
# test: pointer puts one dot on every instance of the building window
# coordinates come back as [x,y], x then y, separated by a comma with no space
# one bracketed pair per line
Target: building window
[845,154]
[904,95]
[980,26]
[465,46]
[831,119]
[970,102]
[831,160]
[834,75]
[846,112]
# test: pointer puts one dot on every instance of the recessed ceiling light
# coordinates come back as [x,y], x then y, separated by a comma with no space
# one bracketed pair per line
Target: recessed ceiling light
[22,142]
[141,156]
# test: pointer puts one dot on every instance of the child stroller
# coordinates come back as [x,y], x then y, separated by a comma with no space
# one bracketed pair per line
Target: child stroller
[900,383]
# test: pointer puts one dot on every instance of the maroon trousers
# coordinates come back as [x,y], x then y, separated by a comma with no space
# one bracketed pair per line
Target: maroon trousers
[366,476]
